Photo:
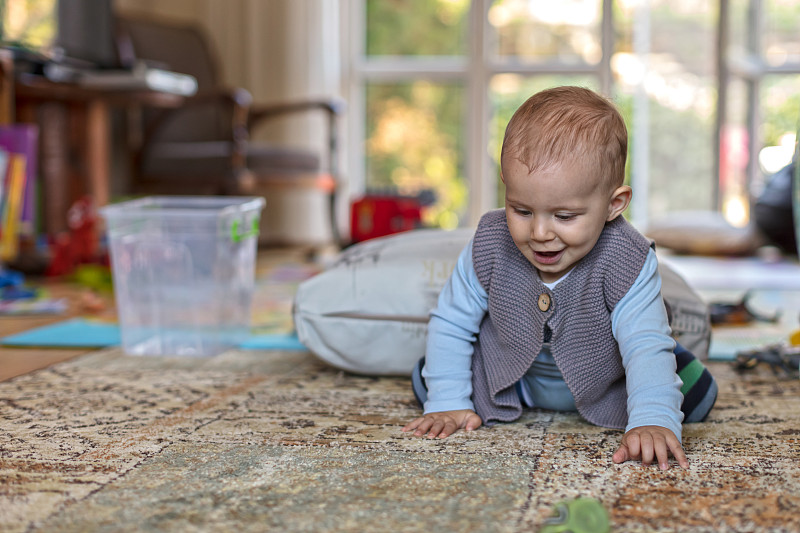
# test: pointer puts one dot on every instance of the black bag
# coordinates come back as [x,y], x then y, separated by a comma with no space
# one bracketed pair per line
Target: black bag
[772,212]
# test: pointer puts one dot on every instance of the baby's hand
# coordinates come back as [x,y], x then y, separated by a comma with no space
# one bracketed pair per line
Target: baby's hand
[444,424]
[647,442]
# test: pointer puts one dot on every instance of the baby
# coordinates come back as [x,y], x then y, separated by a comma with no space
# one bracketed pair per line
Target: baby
[556,301]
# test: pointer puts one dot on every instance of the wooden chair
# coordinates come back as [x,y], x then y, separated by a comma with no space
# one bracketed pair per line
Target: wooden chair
[204,147]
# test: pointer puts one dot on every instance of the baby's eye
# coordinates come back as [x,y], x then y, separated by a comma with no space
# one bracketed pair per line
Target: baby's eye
[522,212]
[565,216]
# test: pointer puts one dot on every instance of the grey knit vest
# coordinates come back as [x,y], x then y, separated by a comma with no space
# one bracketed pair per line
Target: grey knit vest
[579,318]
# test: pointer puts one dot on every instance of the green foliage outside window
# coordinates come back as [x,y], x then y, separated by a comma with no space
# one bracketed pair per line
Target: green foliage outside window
[414,144]
[417,27]
[781,108]
[27,24]
[416,127]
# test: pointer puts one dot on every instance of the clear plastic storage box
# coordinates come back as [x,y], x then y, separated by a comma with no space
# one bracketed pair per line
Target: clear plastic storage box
[184,272]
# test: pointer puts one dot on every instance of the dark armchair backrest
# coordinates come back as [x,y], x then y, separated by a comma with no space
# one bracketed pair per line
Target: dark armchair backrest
[178,47]
[183,48]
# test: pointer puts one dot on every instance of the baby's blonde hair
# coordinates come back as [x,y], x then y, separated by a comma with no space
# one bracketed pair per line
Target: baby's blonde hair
[562,123]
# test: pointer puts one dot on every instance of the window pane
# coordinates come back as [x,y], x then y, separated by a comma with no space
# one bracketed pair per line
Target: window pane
[782,32]
[741,38]
[30,25]
[417,27]
[506,93]
[678,82]
[538,31]
[780,114]
[735,150]
[415,143]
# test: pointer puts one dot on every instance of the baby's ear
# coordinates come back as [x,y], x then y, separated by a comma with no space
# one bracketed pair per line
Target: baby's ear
[620,199]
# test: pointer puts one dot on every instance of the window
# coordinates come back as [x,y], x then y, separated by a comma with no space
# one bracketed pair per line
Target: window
[435,81]
[759,104]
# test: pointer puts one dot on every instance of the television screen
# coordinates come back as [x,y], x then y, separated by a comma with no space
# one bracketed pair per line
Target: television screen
[86,32]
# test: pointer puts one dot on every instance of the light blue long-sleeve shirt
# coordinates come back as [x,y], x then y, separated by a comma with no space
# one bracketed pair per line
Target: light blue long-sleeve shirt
[638,322]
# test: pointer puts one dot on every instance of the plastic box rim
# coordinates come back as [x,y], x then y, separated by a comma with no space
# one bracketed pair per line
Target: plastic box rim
[200,206]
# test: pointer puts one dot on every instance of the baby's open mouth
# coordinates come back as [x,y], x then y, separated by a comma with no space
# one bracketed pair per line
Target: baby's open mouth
[548,257]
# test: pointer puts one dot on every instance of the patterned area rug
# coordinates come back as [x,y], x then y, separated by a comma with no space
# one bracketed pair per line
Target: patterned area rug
[262,441]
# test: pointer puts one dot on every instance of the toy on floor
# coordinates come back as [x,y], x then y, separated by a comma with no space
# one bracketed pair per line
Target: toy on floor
[581,515]
[384,213]
[778,356]
[10,278]
[18,299]
[794,338]
[737,313]
[79,245]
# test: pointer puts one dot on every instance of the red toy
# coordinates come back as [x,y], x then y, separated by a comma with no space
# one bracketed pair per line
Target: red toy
[79,245]
[378,215]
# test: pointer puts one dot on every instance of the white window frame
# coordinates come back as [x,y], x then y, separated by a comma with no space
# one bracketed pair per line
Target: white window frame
[474,71]
[751,69]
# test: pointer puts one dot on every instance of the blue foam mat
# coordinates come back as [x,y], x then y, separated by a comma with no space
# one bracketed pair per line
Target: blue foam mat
[86,333]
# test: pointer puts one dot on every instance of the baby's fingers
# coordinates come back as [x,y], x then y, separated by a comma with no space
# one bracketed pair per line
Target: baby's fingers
[677,452]
[633,442]
[448,427]
[647,448]
[661,452]
[414,424]
[424,425]
[649,443]
[437,429]
[621,455]
[473,422]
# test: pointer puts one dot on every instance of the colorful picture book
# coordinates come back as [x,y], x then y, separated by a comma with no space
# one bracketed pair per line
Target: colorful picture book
[18,157]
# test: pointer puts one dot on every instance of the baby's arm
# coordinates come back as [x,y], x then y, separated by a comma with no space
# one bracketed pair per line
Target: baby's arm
[452,329]
[443,424]
[640,325]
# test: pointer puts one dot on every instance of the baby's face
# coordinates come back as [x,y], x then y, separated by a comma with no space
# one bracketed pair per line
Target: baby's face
[555,216]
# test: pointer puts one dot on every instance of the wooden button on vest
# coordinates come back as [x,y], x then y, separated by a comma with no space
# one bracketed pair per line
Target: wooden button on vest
[544,302]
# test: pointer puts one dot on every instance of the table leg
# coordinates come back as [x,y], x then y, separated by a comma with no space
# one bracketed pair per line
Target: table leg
[98,150]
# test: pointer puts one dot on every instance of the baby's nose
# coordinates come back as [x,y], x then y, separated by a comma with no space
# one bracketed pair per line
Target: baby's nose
[541,229]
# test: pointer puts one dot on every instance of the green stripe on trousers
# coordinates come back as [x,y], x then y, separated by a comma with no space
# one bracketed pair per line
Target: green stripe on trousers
[690,374]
